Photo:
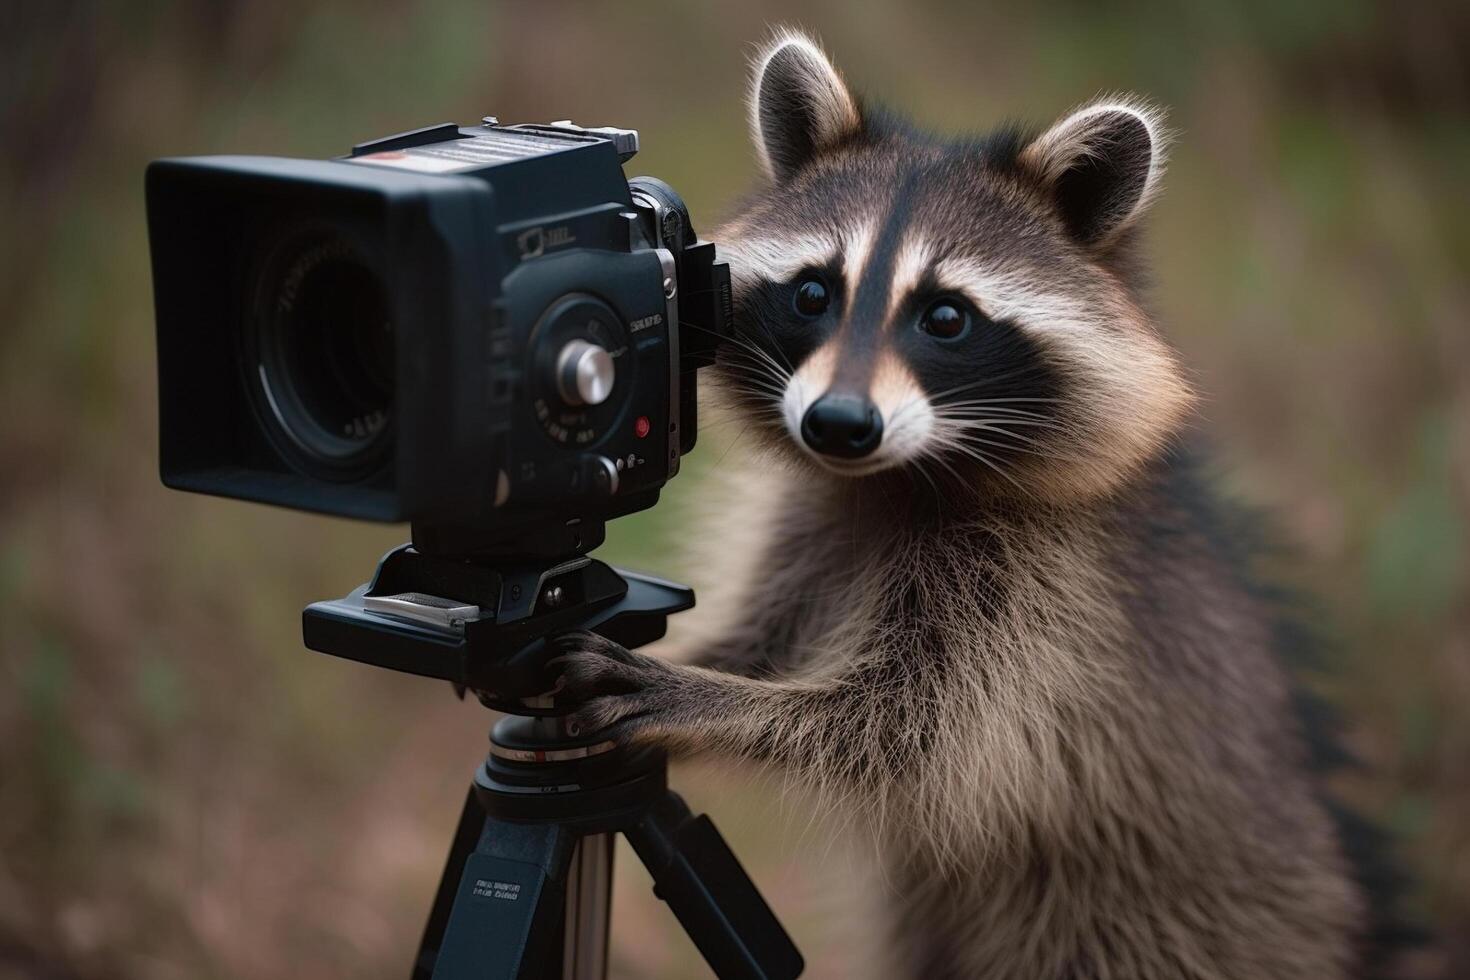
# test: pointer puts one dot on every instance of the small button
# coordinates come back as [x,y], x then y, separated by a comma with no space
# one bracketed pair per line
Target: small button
[604,474]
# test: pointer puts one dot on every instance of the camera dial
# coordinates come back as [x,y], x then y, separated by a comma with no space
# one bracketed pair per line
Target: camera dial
[580,369]
[584,373]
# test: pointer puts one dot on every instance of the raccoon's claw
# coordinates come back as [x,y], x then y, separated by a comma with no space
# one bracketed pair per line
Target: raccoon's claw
[628,697]
[608,681]
[585,641]
[617,717]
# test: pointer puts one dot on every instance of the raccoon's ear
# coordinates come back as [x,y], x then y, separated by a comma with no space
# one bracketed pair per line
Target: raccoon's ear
[1102,165]
[799,105]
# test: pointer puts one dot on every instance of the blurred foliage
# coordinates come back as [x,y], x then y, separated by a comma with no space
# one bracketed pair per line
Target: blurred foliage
[185,792]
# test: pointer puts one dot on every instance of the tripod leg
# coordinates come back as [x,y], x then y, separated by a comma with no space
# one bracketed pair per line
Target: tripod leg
[715,901]
[501,909]
[589,908]
[466,835]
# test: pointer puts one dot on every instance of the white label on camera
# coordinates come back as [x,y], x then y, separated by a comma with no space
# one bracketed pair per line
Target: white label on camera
[467,152]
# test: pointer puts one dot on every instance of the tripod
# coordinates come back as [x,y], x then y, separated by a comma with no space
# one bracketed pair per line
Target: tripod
[526,889]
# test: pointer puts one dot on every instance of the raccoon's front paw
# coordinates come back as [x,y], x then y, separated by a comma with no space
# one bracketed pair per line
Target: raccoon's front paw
[624,694]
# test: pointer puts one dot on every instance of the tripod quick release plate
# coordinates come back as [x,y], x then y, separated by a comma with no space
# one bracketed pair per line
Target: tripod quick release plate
[483,626]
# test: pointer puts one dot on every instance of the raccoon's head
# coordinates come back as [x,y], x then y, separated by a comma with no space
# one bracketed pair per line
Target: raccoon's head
[956,309]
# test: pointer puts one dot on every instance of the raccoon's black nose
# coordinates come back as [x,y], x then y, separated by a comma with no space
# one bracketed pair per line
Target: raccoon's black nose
[846,426]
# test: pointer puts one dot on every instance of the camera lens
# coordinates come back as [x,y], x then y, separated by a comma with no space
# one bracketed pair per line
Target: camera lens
[323,352]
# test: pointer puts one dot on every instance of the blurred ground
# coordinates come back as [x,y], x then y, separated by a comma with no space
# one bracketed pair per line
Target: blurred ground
[186,792]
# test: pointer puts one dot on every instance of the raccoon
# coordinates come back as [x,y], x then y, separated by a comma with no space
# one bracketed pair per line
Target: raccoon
[994,606]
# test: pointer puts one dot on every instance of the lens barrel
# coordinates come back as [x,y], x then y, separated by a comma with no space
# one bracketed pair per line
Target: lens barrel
[319,356]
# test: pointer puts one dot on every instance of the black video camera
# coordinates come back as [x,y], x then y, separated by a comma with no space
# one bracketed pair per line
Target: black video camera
[487,331]
[493,334]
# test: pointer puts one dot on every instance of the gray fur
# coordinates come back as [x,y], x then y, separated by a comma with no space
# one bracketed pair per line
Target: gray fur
[1017,652]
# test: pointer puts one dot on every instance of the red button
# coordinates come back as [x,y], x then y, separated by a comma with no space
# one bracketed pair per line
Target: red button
[642,426]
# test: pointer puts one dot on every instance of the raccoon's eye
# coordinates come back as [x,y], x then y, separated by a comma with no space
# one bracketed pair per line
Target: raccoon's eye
[945,319]
[812,297]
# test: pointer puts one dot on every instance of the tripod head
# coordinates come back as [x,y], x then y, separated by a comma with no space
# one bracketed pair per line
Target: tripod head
[482,624]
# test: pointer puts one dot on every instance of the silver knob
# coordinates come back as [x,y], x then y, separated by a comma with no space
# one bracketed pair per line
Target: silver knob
[584,373]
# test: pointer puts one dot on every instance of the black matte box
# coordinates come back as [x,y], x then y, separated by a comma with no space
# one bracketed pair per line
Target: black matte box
[431,240]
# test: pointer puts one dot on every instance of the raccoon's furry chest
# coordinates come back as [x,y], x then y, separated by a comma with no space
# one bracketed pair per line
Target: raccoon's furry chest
[935,593]
[1058,723]
[1021,634]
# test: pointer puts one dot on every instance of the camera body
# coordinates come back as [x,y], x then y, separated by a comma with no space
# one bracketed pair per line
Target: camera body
[487,331]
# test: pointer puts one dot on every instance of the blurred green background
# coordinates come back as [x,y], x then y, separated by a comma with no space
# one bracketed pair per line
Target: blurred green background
[185,792]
